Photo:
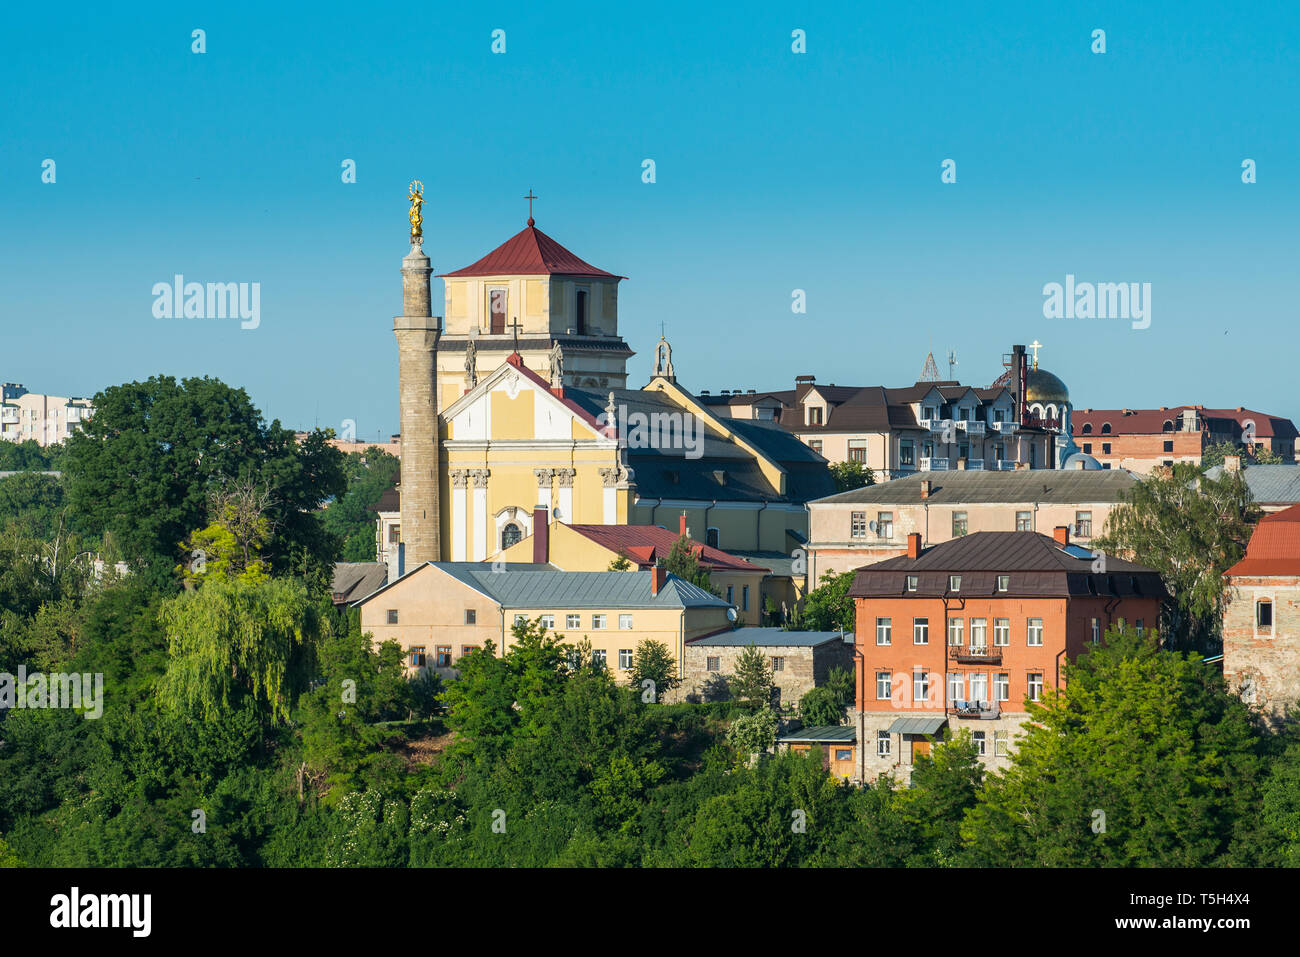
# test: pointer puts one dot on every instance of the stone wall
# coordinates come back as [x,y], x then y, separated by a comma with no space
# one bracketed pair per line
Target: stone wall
[804,667]
[1263,666]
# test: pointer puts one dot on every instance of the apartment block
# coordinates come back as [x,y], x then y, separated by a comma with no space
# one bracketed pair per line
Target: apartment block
[43,419]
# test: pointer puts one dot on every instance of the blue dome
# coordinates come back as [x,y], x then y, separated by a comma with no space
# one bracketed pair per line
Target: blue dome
[1089,463]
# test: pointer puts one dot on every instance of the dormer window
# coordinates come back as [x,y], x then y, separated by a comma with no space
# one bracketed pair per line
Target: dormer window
[580,313]
[911,582]
[954,583]
[497,311]
[814,415]
[1004,582]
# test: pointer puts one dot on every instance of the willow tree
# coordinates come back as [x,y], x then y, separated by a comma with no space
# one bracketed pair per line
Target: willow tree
[235,638]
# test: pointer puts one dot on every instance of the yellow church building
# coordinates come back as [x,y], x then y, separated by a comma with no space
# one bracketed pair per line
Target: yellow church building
[551,422]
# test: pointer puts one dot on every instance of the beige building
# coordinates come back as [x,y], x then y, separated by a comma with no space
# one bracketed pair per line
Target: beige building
[43,419]
[871,524]
[442,611]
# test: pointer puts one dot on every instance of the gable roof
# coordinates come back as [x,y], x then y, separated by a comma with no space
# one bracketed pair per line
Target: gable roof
[770,638]
[1054,486]
[1036,564]
[353,580]
[529,585]
[1268,484]
[1274,547]
[645,544]
[530,252]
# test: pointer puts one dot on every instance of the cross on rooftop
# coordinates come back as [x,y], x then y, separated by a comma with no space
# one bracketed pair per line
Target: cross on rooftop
[515,327]
[530,197]
[1035,345]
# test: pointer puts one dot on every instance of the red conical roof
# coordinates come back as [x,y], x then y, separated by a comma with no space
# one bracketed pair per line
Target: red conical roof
[531,252]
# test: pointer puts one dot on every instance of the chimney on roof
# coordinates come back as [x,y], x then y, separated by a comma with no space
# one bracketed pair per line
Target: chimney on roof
[961,465]
[541,535]
[681,525]
[914,545]
[1232,463]
[1062,535]
[658,578]
[925,488]
[1022,467]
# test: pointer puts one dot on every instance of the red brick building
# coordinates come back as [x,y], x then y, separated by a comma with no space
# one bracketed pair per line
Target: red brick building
[1261,619]
[961,634]
[1142,439]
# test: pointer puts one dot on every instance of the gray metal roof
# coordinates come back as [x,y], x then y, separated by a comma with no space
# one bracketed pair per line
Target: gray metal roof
[825,732]
[1063,486]
[528,585]
[770,637]
[917,725]
[354,580]
[1268,483]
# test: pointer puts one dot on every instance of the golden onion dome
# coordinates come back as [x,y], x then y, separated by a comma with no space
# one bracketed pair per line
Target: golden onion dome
[1042,386]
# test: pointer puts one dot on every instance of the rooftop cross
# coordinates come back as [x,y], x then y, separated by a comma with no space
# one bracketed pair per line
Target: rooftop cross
[530,197]
[515,327]
[1035,345]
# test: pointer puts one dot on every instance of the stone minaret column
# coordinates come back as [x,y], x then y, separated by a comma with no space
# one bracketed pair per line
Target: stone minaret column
[417,332]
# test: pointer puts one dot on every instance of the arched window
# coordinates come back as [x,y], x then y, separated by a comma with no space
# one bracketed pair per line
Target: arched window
[1105,428]
[1087,428]
[711,538]
[510,535]
[1168,426]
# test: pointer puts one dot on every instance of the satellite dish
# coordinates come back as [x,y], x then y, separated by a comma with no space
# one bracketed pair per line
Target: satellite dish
[731,614]
[872,527]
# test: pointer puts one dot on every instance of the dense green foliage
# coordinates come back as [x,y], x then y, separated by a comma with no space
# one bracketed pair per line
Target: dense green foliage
[248,723]
[851,475]
[1191,530]
[827,607]
[349,517]
[1256,455]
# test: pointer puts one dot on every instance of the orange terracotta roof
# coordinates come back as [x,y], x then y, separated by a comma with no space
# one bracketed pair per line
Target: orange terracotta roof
[1274,548]
[645,544]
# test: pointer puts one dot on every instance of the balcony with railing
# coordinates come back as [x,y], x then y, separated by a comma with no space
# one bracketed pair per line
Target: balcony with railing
[9,415]
[976,655]
[1003,465]
[932,464]
[975,465]
[972,427]
[986,710]
[934,425]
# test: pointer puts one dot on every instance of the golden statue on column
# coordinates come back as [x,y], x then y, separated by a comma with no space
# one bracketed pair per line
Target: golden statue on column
[416,196]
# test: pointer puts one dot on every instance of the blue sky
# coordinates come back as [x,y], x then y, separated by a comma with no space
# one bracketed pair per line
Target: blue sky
[775,171]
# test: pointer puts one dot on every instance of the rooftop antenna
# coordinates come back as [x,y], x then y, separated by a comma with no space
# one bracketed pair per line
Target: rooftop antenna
[952,364]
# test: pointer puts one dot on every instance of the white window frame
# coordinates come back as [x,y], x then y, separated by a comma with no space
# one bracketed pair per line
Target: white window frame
[981,743]
[956,632]
[625,658]
[884,744]
[885,630]
[979,686]
[920,630]
[1001,632]
[598,622]
[624,622]
[1033,631]
[979,633]
[1002,686]
[572,621]
[884,685]
[1031,684]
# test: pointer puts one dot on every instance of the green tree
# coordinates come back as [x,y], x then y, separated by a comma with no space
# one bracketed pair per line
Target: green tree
[684,561]
[945,785]
[1257,455]
[240,639]
[7,857]
[1190,529]
[851,475]
[753,733]
[652,661]
[828,607]
[1143,760]
[350,517]
[34,502]
[753,682]
[821,706]
[620,562]
[144,466]
[29,456]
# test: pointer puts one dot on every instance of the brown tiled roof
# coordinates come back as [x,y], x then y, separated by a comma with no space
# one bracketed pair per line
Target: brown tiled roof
[1036,564]
[1152,421]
